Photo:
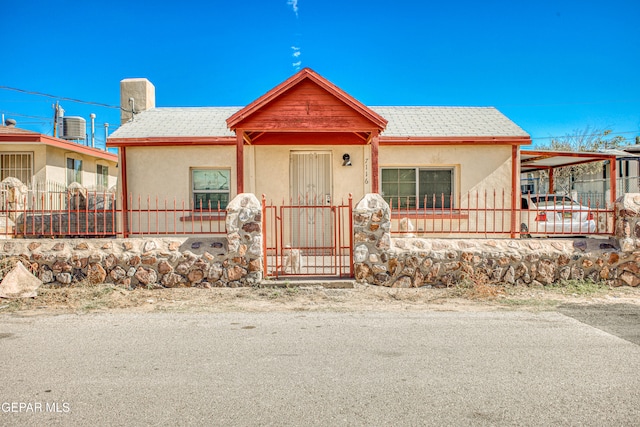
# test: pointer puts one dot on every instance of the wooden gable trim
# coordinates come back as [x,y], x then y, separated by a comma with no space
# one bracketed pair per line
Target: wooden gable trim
[378,121]
[307,138]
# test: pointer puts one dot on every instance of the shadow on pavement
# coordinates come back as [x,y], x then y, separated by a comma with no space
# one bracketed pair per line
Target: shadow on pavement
[621,320]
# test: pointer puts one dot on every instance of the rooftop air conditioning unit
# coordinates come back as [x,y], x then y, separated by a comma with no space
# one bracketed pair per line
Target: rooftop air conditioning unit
[74,128]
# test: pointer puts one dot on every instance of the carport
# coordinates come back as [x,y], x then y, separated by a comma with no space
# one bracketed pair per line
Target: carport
[532,161]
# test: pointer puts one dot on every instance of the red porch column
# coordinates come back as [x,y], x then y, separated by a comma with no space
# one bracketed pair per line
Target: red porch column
[515,188]
[375,144]
[240,160]
[125,192]
[612,177]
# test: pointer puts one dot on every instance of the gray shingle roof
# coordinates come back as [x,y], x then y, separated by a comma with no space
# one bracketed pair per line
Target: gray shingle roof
[178,122]
[403,121]
[447,121]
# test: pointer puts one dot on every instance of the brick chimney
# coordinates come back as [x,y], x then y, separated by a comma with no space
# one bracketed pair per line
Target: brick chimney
[136,94]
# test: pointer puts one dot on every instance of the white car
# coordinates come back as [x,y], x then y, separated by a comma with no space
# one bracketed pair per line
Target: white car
[555,215]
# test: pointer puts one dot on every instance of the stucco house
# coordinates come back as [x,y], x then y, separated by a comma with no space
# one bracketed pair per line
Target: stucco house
[307,141]
[45,163]
[300,131]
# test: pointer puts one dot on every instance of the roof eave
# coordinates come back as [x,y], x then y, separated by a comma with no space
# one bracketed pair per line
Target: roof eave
[38,138]
[455,140]
[171,141]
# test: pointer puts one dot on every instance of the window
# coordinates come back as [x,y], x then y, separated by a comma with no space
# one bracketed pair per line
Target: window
[210,188]
[74,170]
[422,187]
[102,177]
[17,165]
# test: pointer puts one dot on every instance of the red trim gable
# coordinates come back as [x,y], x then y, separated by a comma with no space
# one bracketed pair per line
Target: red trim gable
[294,98]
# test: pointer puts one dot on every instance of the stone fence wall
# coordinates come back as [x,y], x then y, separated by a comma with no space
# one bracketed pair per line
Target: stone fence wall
[234,260]
[413,262]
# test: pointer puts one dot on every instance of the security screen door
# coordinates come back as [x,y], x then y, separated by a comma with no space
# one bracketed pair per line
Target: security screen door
[311,224]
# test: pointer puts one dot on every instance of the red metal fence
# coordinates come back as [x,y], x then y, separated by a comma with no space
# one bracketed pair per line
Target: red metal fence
[312,227]
[100,214]
[490,213]
[308,238]
[155,216]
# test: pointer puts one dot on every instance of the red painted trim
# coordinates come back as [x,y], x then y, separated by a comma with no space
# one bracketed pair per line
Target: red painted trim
[264,235]
[240,161]
[125,192]
[454,140]
[515,188]
[291,82]
[170,141]
[548,154]
[375,172]
[552,183]
[401,140]
[58,143]
[308,138]
[351,261]
[613,179]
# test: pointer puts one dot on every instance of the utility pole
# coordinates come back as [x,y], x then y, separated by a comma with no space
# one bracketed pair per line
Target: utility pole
[55,120]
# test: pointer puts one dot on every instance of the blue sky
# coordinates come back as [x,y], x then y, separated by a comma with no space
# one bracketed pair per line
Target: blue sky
[553,67]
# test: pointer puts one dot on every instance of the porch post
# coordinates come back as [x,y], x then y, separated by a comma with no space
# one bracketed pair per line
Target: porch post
[240,161]
[613,179]
[125,192]
[375,143]
[551,183]
[515,191]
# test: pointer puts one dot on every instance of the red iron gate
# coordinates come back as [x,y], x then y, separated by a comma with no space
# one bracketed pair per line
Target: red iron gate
[308,239]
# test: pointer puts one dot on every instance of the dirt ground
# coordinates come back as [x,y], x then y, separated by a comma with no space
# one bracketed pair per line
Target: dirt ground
[84,298]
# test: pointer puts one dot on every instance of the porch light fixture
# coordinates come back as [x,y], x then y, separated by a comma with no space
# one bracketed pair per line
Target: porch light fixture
[346,160]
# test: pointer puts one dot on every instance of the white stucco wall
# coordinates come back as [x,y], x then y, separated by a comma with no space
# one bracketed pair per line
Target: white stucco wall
[166,171]
[270,174]
[476,168]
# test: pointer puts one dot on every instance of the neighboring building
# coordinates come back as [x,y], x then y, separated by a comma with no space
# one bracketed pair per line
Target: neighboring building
[629,168]
[45,163]
[306,141]
[595,187]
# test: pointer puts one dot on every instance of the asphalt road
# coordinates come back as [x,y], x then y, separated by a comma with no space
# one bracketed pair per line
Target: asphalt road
[325,369]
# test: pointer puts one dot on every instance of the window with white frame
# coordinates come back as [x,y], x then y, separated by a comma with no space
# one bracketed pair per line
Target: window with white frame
[102,177]
[418,187]
[210,188]
[74,170]
[17,165]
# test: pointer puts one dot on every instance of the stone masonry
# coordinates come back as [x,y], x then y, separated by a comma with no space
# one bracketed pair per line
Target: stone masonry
[414,262]
[233,260]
